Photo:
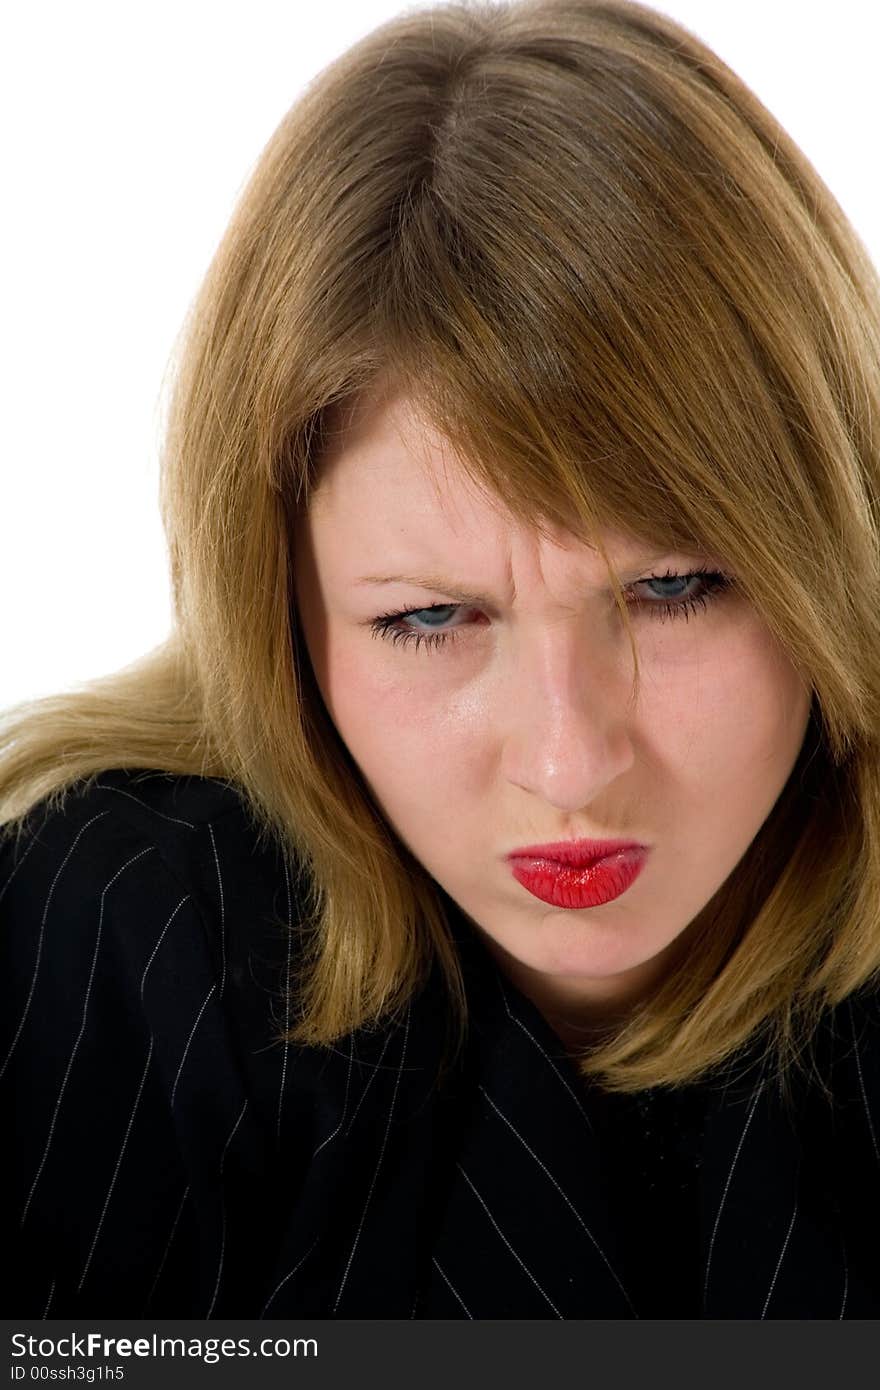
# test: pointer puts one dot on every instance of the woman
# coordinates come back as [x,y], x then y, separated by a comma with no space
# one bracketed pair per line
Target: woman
[532,335]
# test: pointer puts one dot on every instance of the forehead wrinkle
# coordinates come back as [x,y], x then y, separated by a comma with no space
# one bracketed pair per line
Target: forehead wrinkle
[436,582]
[453,484]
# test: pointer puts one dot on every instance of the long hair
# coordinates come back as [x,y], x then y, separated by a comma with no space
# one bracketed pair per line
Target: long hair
[604,272]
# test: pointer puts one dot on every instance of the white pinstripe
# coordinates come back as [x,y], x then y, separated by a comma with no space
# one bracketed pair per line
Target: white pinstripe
[136,1099]
[134,858]
[38,957]
[868,1116]
[345,1100]
[372,1078]
[845,1276]
[289,1275]
[116,1169]
[222,912]
[223,1209]
[544,1054]
[519,1261]
[189,1040]
[145,804]
[183,900]
[453,1290]
[18,865]
[379,1159]
[779,1262]
[167,1247]
[569,1203]
[49,1300]
[759,1088]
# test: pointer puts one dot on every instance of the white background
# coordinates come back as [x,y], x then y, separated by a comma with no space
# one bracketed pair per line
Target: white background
[128,132]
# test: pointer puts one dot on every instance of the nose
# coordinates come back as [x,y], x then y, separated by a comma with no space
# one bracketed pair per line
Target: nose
[568,734]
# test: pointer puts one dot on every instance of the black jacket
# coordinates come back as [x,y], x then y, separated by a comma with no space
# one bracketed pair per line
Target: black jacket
[168,1158]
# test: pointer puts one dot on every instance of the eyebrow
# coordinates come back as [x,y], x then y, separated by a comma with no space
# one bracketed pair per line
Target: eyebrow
[439,583]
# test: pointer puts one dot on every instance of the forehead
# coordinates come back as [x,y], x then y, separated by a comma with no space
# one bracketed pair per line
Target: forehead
[381,442]
[384,469]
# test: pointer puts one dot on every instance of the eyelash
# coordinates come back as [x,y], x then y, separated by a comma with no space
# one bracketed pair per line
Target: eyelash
[391,626]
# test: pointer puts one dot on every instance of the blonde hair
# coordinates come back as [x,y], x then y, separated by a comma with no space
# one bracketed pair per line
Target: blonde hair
[605,273]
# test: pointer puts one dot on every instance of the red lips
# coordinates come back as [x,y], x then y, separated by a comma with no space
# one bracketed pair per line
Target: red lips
[578,873]
[576,853]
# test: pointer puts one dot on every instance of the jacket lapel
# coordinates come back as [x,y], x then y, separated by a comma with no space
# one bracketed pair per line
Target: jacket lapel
[525,1230]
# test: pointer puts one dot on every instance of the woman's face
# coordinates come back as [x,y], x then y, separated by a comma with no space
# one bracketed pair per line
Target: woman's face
[517,729]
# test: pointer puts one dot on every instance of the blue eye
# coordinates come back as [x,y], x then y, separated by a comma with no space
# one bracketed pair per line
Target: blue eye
[396,627]
[700,588]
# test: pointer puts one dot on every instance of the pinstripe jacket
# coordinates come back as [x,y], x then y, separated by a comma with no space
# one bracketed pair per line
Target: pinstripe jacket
[169,1159]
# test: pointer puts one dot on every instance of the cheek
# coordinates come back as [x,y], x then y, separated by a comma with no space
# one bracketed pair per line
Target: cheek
[741,727]
[415,744]
[357,700]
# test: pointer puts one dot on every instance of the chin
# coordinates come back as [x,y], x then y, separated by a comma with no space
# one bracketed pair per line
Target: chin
[597,962]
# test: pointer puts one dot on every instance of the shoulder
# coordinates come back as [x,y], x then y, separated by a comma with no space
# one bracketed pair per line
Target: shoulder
[129,853]
[157,804]
[170,816]
[121,805]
